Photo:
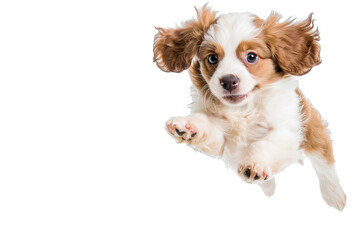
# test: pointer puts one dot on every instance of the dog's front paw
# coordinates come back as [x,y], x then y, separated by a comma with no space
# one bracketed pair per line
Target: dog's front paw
[182,129]
[254,172]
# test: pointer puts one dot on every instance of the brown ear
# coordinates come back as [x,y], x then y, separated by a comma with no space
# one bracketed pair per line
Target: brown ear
[174,49]
[294,45]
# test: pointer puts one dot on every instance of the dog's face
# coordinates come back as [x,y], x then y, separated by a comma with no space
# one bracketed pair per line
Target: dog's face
[233,59]
[234,55]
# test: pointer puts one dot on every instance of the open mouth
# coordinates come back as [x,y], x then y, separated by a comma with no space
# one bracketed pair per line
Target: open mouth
[235,98]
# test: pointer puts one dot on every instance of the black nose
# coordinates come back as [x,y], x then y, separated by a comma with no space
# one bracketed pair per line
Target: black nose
[229,82]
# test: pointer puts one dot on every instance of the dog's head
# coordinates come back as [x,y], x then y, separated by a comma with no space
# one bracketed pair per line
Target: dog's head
[236,54]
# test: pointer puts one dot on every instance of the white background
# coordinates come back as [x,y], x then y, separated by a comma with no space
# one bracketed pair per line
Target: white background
[83,149]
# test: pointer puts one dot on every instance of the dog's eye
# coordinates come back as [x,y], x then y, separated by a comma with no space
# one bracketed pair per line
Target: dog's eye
[251,58]
[212,59]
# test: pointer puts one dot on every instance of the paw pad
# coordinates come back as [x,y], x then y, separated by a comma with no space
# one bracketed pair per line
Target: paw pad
[252,173]
[181,129]
[180,133]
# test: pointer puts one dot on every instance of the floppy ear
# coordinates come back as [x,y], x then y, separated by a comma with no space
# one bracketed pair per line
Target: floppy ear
[174,49]
[294,45]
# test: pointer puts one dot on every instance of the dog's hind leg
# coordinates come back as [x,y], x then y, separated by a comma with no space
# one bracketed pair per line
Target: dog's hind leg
[330,187]
[318,147]
[268,186]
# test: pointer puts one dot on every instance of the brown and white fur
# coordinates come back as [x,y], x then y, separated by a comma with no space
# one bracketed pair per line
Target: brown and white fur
[251,114]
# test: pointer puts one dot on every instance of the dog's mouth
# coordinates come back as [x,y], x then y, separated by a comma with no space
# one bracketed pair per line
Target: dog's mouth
[237,98]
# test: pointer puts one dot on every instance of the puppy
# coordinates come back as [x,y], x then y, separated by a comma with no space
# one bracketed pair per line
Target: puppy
[247,108]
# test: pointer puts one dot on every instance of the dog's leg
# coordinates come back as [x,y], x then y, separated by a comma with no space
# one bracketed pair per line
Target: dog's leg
[257,162]
[199,131]
[318,147]
[330,186]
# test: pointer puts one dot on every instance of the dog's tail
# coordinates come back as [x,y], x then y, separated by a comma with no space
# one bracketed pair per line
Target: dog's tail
[330,187]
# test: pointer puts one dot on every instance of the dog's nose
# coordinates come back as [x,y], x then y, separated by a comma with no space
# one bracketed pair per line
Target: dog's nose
[229,82]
